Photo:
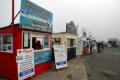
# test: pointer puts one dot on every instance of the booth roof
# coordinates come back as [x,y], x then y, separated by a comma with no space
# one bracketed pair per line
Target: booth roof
[8,26]
[64,33]
[60,33]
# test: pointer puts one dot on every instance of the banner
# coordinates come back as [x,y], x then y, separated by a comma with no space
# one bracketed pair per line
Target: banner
[25,62]
[34,17]
[42,56]
[60,56]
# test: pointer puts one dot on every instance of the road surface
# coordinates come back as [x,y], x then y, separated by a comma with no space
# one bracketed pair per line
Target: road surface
[103,66]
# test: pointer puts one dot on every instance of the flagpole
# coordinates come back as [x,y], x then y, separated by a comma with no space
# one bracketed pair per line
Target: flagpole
[13,14]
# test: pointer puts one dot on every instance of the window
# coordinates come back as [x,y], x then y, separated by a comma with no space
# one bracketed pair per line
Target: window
[26,40]
[6,43]
[57,41]
[68,42]
[71,43]
[46,41]
[37,43]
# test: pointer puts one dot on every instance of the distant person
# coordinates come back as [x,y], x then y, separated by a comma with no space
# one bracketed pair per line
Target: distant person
[102,47]
[88,46]
[98,45]
[94,46]
[91,46]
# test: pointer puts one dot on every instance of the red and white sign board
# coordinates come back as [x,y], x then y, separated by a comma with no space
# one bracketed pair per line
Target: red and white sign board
[25,61]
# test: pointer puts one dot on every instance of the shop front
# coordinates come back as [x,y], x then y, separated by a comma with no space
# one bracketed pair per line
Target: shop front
[41,44]
[68,40]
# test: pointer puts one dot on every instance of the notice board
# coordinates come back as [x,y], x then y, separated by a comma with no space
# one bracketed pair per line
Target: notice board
[25,63]
[60,56]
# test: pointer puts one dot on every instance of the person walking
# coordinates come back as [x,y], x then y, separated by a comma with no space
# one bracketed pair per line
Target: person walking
[102,47]
[98,45]
[94,46]
[91,46]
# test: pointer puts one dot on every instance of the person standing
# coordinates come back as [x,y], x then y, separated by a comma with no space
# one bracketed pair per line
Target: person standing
[102,47]
[94,46]
[98,45]
[88,47]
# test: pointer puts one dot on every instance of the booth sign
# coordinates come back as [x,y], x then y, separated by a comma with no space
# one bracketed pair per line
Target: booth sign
[25,62]
[34,17]
[60,56]
[71,28]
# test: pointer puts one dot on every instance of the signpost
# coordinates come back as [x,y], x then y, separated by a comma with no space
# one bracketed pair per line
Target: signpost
[60,56]
[25,61]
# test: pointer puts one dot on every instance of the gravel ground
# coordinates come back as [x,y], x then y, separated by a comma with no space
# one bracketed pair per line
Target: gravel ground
[103,66]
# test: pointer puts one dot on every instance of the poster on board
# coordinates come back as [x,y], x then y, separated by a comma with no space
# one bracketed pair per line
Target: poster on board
[25,63]
[60,56]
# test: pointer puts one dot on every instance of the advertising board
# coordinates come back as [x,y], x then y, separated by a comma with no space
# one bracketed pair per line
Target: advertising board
[34,17]
[41,56]
[71,28]
[25,63]
[60,56]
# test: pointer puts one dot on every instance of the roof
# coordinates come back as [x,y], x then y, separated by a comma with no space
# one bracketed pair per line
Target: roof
[64,33]
[8,26]
[60,33]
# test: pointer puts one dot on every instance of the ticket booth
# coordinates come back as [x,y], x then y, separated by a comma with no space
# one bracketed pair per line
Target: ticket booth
[23,39]
[34,31]
[69,40]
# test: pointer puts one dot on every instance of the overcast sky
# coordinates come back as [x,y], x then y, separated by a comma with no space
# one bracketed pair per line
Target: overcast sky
[101,17]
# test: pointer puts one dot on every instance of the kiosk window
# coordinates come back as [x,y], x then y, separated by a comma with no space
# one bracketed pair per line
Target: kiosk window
[57,41]
[37,43]
[46,41]
[26,40]
[71,43]
[6,43]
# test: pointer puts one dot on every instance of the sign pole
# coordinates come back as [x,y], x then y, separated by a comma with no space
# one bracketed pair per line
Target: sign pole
[13,14]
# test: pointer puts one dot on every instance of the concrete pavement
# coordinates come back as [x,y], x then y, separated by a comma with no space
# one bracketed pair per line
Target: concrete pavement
[74,71]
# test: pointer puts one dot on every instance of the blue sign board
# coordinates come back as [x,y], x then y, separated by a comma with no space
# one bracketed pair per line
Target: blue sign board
[61,63]
[46,41]
[42,56]
[34,17]
[26,72]
[71,28]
